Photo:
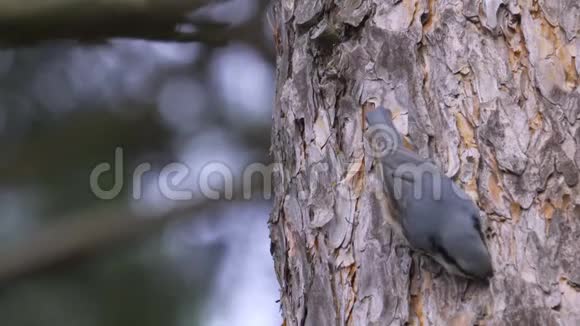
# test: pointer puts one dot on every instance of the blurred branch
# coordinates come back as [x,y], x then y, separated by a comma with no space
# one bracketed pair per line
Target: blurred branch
[252,32]
[87,234]
[96,20]
[78,237]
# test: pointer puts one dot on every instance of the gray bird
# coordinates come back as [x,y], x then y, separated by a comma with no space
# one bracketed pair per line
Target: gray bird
[434,215]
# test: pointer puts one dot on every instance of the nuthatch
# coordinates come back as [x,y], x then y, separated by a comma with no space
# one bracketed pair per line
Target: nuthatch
[434,215]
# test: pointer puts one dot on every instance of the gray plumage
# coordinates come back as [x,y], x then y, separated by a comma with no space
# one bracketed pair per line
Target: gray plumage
[434,215]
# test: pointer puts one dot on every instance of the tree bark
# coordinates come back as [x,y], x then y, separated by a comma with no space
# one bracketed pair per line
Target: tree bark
[486,88]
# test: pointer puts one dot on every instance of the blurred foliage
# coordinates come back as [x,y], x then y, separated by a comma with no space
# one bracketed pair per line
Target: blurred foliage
[64,108]
[131,286]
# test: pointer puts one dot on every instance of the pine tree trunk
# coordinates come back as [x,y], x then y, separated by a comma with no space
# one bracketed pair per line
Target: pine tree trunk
[489,91]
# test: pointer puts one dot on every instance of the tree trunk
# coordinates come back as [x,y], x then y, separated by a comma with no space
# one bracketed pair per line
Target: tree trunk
[489,91]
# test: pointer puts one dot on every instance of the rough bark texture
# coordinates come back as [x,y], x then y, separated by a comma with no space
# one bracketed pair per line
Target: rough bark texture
[487,88]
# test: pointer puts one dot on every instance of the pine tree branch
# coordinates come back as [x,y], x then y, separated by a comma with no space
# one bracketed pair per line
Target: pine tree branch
[84,236]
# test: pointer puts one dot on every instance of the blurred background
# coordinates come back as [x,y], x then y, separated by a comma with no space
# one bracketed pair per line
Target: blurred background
[68,257]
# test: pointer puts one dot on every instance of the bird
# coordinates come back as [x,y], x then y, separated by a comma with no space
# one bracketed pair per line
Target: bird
[429,210]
